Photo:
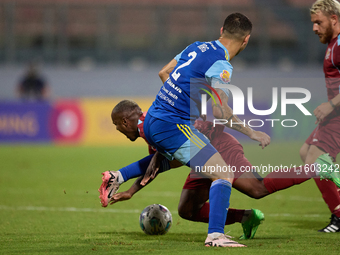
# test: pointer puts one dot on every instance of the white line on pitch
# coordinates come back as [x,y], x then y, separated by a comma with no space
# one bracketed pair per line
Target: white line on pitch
[109,210]
[66,209]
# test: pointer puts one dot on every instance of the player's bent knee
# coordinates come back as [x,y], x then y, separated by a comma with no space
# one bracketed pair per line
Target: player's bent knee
[252,185]
[257,193]
[185,209]
[184,212]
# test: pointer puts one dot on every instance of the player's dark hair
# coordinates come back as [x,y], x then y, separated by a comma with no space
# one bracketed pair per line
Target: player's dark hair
[125,106]
[237,26]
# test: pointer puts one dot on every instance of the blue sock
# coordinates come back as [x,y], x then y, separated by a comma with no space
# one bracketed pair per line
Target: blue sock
[135,169]
[219,203]
[138,168]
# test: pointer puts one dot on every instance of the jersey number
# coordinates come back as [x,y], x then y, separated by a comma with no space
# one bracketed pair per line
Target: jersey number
[175,75]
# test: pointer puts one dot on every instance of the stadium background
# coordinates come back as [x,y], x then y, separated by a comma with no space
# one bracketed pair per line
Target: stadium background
[95,53]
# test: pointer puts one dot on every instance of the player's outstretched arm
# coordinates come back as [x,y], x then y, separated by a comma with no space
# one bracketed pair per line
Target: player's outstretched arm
[154,164]
[226,113]
[136,186]
[158,162]
[153,167]
[126,195]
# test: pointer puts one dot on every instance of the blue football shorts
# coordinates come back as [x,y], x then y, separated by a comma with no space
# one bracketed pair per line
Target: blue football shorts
[178,141]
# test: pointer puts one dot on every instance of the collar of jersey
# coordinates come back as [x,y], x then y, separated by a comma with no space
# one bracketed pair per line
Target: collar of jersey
[139,122]
[222,46]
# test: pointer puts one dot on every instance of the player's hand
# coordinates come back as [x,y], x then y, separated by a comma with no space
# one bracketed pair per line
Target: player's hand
[322,111]
[121,196]
[153,168]
[261,137]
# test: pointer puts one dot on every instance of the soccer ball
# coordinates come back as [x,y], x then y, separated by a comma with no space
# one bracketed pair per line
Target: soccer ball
[155,219]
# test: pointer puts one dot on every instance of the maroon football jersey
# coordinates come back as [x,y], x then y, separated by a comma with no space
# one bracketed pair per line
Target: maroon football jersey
[331,68]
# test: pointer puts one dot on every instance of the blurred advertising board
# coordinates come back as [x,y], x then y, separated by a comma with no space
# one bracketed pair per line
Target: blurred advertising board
[87,121]
[24,122]
[76,121]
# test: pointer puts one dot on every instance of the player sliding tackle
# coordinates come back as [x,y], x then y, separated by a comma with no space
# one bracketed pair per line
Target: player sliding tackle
[193,205]
[168,125]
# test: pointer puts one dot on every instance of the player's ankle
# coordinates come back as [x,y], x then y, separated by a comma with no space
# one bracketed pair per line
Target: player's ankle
[246,215]
[215,235]
[120,178]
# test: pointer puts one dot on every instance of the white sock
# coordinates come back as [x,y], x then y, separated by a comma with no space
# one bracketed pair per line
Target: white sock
[214,235]
[120,178]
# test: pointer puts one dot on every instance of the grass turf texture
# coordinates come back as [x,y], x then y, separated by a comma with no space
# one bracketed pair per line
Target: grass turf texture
[50,205]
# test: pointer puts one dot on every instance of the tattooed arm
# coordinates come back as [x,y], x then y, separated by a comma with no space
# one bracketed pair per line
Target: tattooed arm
[226,113]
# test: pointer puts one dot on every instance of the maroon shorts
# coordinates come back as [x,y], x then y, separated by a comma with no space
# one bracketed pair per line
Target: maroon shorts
[232,153]
[327,136]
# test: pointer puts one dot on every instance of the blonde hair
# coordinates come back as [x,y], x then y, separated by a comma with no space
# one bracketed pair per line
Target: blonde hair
[327,7]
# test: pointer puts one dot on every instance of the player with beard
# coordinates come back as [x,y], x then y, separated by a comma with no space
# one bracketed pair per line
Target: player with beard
[325,138]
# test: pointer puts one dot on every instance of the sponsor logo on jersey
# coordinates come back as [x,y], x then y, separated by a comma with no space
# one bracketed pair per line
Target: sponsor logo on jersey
[203,47]
[328,53]
[315,140]
[225,76]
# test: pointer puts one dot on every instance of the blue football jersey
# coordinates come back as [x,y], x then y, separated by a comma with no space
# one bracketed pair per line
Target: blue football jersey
[200,66]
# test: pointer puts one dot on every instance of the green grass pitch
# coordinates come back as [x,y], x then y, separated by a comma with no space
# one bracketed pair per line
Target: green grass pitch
[49,205]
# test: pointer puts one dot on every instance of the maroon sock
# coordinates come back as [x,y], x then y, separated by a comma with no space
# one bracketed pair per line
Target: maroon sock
[283,179]
[233,216]
[330,194]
